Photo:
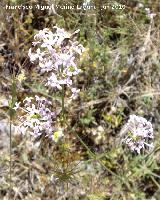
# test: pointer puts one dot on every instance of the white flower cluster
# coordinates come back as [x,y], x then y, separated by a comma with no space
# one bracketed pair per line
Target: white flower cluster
[139,132]
[56,54]
[37,117]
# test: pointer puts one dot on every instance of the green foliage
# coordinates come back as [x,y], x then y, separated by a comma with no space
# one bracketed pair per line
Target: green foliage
[88,118]
[113,120]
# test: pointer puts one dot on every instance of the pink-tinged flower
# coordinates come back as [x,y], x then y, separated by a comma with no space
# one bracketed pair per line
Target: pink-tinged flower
[66,81]
[38,118]
[60,35]
[139,132]
[149,13]
[43,34]
[34,56]
[57,56]
[74,93]
[46,66]
[53,82]
[78,48]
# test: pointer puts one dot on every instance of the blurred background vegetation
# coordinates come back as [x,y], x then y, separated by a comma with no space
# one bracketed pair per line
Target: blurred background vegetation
[120,76]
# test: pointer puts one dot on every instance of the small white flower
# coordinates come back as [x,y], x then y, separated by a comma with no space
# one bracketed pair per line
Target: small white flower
[42,34]
[22,129]
[75,92]
[86,2]
[46,66]
[78,48]
[140,5]
[53,82]
[17,105]
[147,10]
[32,56]
[28,99]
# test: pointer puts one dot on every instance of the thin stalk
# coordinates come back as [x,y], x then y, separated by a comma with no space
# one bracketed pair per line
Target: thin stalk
[93,155]
[11,114]
[63,110]
[10,157]
[63,119]
[155,182]
[62,98]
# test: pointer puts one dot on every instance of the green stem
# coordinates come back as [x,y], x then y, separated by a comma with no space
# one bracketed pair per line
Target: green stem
[155,182]
[63,110]
[94,156]
[10,160]
[11,114]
